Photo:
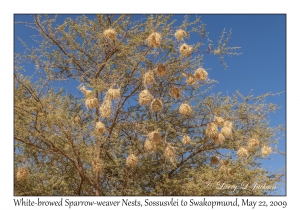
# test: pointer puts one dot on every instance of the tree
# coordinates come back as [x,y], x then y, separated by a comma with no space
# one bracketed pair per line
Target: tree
[144,123]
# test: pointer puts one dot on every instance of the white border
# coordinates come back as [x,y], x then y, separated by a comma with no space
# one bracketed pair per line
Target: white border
[141,7]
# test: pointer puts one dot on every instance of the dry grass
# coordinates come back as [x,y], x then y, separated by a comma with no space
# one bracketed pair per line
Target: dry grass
[242,152]
[156,105]
[149,146]
[200,74]
[219,139]
[148,78]
[227,132]
[105,109]
[185,109]
[252,143]
[145,97]
[185,50]
[132,161]
[175,92]
[170,153]
[154,40]
[110,33]
[100,128]
[186,139]
[190,79]
[180,34]
[91,103]
[211,130]
[266,151]
[113,94]
[22,173]
[218,120]
[161,69]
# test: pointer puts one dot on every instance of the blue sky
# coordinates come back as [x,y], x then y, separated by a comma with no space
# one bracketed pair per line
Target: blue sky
[261,67]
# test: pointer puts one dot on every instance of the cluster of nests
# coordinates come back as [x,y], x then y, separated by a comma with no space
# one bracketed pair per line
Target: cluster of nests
[252,144]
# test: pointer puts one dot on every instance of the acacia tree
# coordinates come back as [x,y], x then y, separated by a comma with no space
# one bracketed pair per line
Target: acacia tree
[142,121]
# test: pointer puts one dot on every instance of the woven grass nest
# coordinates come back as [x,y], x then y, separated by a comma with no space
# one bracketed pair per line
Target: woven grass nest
[175,92]
[211,130]
[105,109]
[185,50]
[145,97]
[228,124]
[200,74]
[91,103]
[227,132]
[112,94]
[154,40]
[100,128]
[186,139]
[185,109]
[180,34]
[155,137]
[22,173]
[132,161]
[149,146]
[190,79]
[252,143]
[214,160]
[161,69]
[156,105]
[218,120]
[148,78]
[87,93]
[242,152]
[219,139]
[170,153]
[265,151]
[110,33]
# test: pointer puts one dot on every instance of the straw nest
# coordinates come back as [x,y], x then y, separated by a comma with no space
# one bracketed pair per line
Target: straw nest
[218,120]
[200,74]
[155,137]
[91,103]
[145,97]
[265,151]
[148,78]
[186,139]
[156,105]
[228,124]
[185,109]
[253,142]
[113,94]
[100,128]
[226,131]
[110,33]
[77,119]
[87,93]
[190,79]
[132,161]
[185,50]
[170,153]
[242,152]
[22,173]
[219,139]
[105,109]
[97,166]
[154,40]
[180,34]
[214,160]
[175,92]
[161,69]
[211,130]
[149,146]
